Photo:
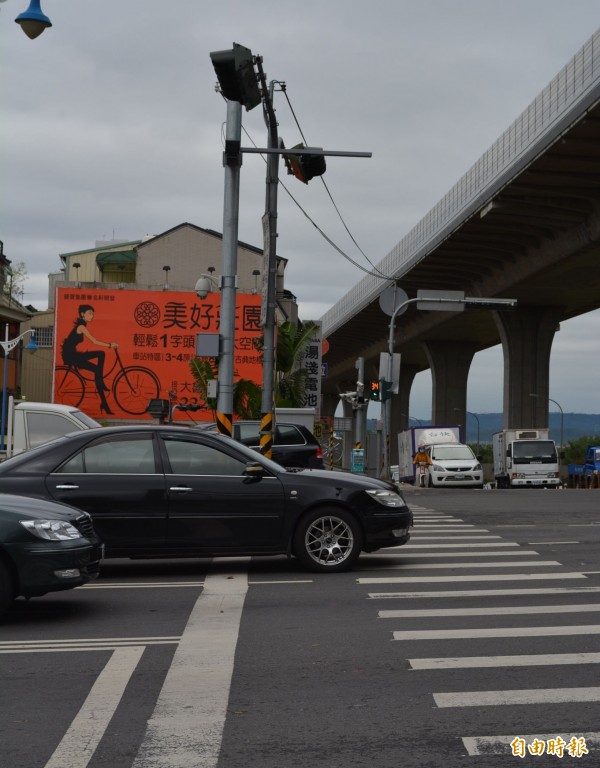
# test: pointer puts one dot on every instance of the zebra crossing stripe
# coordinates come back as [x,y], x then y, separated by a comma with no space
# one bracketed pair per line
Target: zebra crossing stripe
[407,555]
[527,696]
[474,577]
[458,546]
[430,566]
[483,593]
[527,610]
[531,660]
[494,632]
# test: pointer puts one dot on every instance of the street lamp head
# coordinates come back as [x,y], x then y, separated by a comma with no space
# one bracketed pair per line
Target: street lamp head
[31,345]
[33,22]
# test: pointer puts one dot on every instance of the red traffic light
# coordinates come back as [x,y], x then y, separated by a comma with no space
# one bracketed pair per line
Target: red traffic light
[305,167]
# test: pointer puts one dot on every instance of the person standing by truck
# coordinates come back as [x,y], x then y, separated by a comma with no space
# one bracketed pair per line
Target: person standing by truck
[422,460]
[90,360]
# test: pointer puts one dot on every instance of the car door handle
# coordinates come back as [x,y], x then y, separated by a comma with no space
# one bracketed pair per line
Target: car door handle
[181,489]
[67,487]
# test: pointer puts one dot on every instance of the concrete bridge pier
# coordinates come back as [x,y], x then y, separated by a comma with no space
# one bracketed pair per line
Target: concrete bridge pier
[527,335]
[400,408]
[449,362]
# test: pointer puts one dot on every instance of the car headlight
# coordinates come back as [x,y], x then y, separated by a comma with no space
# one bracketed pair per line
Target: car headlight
[386,498]
[438,468]
[477,467]
[54,530]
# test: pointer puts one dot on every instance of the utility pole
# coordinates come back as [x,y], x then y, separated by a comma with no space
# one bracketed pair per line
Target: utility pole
[267,421]
[232,160]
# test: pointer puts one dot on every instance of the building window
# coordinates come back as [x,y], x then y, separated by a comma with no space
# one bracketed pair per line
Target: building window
[44,337]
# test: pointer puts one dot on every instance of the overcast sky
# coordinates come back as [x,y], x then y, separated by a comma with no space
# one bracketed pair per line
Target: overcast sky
[111,128]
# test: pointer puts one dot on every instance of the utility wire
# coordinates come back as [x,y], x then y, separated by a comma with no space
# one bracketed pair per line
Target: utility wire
[378,271]
[318,228]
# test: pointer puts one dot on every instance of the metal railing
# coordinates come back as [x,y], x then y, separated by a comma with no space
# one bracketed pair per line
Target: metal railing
[574,90]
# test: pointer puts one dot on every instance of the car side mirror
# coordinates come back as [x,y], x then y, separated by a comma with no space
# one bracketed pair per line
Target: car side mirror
[254,471]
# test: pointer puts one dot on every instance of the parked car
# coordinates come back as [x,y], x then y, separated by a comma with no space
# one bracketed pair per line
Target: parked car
[293,444]
[162,491]
[44,547]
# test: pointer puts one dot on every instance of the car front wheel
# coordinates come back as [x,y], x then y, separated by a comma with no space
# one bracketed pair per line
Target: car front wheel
[328,541]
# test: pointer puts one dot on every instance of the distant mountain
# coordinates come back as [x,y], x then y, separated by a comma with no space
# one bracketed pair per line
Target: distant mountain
[574,425]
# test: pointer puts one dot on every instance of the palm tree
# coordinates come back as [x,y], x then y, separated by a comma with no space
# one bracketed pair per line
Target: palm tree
[246,394]
[290,378]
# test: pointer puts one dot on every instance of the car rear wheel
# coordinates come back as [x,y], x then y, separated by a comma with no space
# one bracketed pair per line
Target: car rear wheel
[6,588]
[328,541]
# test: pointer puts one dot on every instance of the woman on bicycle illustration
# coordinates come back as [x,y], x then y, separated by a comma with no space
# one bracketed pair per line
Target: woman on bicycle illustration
[92,360]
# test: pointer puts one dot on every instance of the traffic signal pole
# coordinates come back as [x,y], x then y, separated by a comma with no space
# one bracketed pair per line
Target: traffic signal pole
[232,160]
[267,421]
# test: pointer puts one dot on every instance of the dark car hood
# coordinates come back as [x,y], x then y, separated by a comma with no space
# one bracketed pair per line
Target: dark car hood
[24,507]
[336,478]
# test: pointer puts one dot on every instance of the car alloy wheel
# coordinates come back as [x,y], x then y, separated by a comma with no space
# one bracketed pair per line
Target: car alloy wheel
[328,541]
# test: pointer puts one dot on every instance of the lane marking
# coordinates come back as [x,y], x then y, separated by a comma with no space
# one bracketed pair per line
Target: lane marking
[494,611]
[91,641]
[484,592]
[537,660]
[478,577]
[168,584]
[138,585]
[530,696]
[469,634]
[79,743]
[186,728]
[500,745]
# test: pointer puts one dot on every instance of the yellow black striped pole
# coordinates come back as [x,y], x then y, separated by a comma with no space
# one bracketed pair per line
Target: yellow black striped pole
[225,424]
[266,435]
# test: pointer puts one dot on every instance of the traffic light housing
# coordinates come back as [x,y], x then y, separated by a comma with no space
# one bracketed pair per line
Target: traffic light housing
[374,391]
[385,390]
[305,167]
[236,75]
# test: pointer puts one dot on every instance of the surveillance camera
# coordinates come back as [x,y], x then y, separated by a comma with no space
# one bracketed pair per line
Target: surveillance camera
[202,287]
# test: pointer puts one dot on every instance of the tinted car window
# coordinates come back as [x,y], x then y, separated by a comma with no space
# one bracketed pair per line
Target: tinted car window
[249,434]
[187,458]
[289,435]
[43,427]
[115,457]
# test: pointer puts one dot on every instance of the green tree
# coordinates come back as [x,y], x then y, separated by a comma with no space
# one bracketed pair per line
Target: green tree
[290,377]
[575,450]
[14,287]
[246,394]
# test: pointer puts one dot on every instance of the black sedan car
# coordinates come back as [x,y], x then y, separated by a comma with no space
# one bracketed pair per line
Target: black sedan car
[163,491]
[44,547]
[293,444]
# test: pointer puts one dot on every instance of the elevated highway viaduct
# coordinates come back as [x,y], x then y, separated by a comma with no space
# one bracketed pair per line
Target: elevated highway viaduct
[524,223]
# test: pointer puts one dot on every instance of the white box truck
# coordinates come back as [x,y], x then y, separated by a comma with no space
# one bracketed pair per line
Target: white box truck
[525,457]
[29,424]
[453,463]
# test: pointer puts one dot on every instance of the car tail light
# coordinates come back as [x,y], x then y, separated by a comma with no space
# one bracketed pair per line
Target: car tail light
[319,452]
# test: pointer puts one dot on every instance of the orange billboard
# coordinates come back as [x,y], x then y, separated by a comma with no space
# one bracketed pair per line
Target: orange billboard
[114,350]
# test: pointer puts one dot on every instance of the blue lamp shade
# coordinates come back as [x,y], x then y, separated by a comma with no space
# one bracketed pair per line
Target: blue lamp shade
[33,22]
[31,344]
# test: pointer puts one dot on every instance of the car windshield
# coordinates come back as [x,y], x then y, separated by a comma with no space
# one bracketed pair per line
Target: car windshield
[449,452]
